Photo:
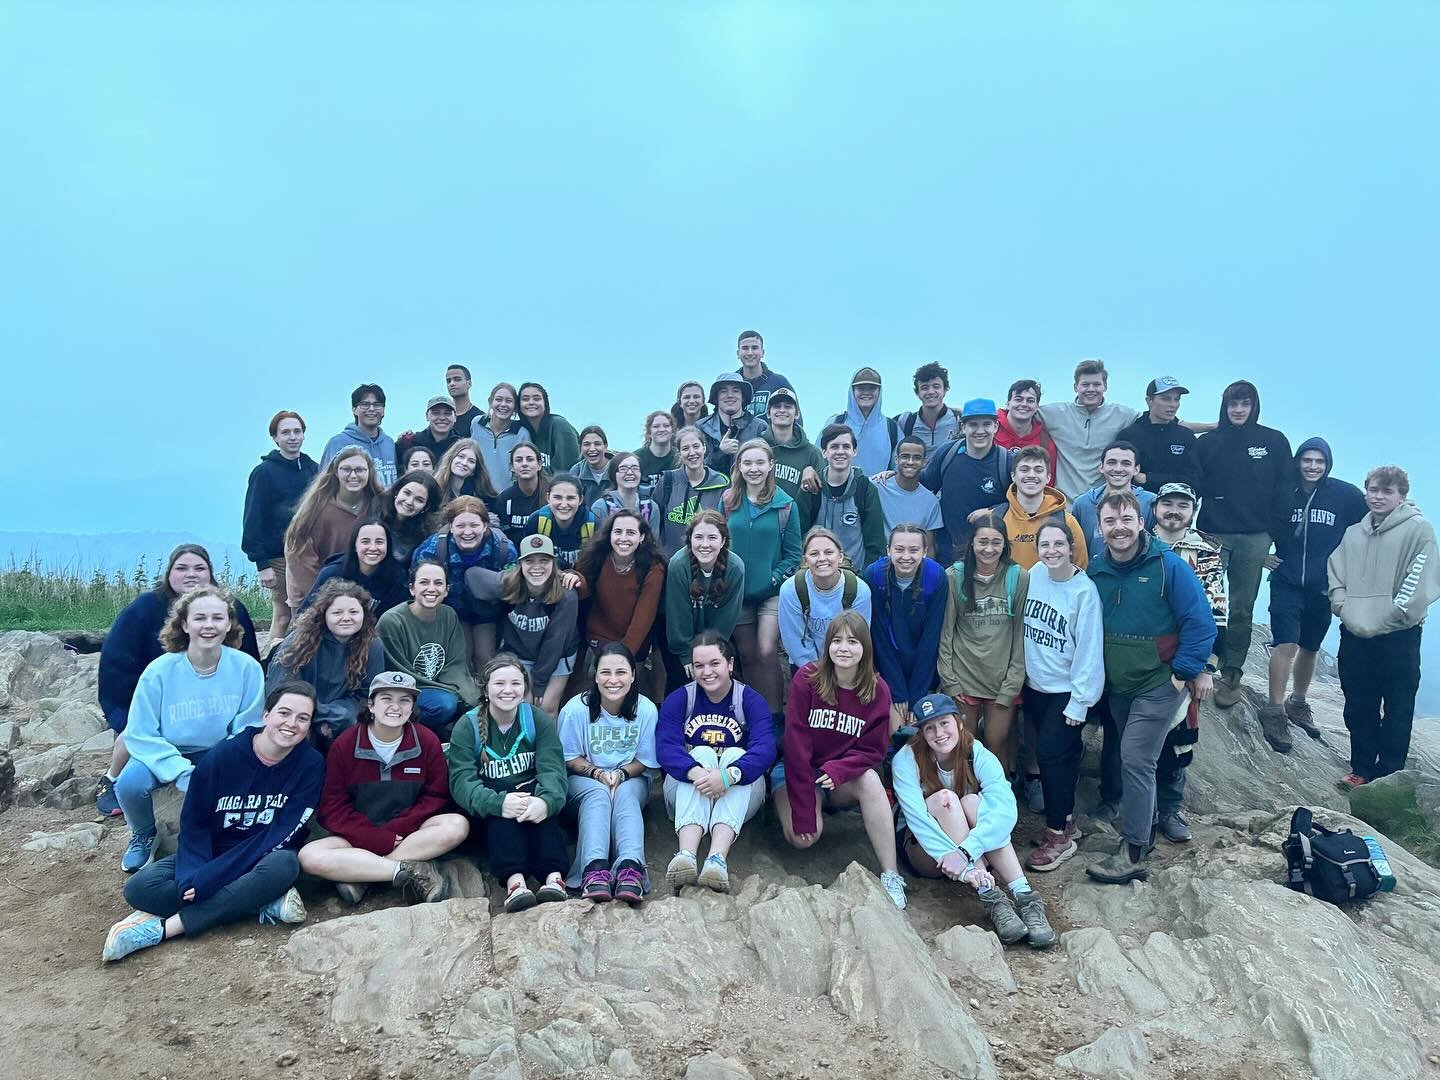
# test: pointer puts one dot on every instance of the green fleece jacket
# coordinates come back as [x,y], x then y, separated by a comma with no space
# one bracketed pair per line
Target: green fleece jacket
[982,652]
[685,616]
[509,761]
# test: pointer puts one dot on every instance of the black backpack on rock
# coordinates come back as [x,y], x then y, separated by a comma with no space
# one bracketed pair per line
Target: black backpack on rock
[1330,866]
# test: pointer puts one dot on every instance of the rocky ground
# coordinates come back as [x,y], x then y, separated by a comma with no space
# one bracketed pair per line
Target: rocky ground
[1211,969]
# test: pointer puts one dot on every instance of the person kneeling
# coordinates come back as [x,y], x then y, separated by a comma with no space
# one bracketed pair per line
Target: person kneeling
[245,812]
[837,724]
[507,768]
[715,740]
[959,810]
[386,790]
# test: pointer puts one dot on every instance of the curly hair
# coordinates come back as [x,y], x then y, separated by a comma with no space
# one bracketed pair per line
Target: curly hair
[303,641]
[173,635]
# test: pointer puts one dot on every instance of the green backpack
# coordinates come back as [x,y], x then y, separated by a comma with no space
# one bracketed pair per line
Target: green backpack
[1012,582]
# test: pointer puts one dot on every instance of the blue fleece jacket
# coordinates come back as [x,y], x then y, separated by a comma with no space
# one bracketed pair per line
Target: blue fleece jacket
[905,625]
[1315,524]
[239,809]
[1087,512]
[381,450]
[133,641]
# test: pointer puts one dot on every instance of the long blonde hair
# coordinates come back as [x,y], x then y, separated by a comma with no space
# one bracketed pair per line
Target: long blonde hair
[735,493]
[322,491]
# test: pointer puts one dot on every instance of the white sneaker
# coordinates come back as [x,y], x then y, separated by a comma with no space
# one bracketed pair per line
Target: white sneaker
[284,909]
[894,886]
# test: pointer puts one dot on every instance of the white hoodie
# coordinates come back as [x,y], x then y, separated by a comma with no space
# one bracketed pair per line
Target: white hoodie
[1064,639]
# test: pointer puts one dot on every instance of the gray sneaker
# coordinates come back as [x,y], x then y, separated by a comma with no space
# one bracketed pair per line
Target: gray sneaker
[1009,927]
[352,893]
[1300,714]
[894,886]
[1174,829]
[1228,691]
[1035,796]
[422,881]
[1119,868]
[1275,726]
[715,874]
[682,870]
[1032,913]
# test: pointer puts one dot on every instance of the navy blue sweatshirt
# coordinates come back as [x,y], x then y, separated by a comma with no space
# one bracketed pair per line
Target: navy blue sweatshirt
[1245,472]
[238,809]
[1314,524]
[274,490]
[388,587]
[905,625]
[964,485]
[133,641]
[1165,453]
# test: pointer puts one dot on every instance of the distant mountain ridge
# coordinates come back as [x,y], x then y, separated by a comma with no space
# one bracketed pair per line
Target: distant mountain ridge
[83,553]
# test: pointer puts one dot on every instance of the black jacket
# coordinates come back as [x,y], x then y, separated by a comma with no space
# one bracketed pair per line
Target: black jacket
[1246,472]
[1165,453]
[270,499]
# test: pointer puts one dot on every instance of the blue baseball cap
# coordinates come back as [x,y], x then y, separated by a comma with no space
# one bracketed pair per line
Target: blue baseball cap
[977,408]
[932,707]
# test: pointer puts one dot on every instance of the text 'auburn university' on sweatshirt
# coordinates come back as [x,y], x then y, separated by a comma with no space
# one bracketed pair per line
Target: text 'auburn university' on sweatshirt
[718,725]
[176,711]
[239,808]
[841,739]
[1065,639]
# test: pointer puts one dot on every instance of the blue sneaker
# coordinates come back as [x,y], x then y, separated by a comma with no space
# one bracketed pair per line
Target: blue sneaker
[131,934]
[106,804]
[139,852]
[283,909]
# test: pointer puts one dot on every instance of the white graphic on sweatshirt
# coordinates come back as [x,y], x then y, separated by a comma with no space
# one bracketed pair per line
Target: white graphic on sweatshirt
[1258,452]
[1412,580]
[247,811]
[430,660]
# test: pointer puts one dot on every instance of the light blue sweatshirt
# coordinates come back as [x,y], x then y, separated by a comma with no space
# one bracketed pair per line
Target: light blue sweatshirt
[803,637]
[993,825]
[175,711]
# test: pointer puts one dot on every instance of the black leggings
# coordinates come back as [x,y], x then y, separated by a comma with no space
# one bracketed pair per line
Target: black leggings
[1059,749]
[517,847]
[155,891]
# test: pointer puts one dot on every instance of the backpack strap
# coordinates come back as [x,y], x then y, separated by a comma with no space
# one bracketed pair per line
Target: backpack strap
[802,593]
[908,426]
[527,723]
[852,586]
[689,698]
[442,549]
[784,515]
[1298,855]
[1012,582]
[737,703]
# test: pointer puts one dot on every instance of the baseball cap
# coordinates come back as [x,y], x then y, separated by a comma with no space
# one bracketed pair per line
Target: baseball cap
[393,680]
[1163,385]
[932,707]
[439,399]
[866,376]
[979,407]
[1177,489]
[535,544]
[783,394]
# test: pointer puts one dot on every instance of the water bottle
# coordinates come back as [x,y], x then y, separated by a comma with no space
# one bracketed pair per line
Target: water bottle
[1381,864]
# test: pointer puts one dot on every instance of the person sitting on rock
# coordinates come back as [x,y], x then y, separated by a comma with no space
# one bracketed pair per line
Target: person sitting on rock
[507,769]
[200,691]
[246,811]
[958,812]
[133,641]
[715,740]
[387,789]
[334,645]
[837,727]
[608,735]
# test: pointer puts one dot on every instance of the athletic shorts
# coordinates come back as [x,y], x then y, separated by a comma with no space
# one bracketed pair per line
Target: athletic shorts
[1298,616]
[750,613]
[565,667]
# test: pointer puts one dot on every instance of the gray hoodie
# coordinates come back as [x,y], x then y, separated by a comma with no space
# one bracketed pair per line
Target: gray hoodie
[381,450]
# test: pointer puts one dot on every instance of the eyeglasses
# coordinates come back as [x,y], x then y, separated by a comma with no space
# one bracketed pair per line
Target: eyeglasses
[353,470]
[371,405]
[628,469]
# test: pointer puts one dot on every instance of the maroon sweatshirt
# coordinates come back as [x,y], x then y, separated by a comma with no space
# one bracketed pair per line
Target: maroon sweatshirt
[840,740]
[370,803]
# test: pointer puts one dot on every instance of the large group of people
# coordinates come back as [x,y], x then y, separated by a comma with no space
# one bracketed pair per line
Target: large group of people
[499,629]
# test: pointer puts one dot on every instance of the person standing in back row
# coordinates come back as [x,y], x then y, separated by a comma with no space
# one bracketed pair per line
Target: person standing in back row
[1164,447]
[457,385]
[798,462]
[1083,428]
[731,424]
[1245,485]
[271,496]
[935,424]
[971,474]
[367,402]
[1019,424]
[1383,578]
[437,436]
[750,348]
[1321,509]
[875,433]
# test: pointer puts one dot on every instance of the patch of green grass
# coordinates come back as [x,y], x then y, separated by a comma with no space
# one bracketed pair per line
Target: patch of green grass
[57,598]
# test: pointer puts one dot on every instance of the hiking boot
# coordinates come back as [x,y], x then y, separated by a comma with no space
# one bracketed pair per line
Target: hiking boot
[1034,795]
[1275,726]
[1119,868]
[1056,847]
[138,851]
[422,880]
[1032,913]
[894,886]
[630,883]
[1009,927]
[1174,829]
[351,892]
[519,898]
[715,874]
[597,884]
[553,891]
[1301,715]
[284,909]
[682,870]
[106,804]
[1228,691]
[131,934]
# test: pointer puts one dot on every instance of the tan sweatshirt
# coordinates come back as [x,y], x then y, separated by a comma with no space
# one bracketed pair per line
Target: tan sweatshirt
[1384,578]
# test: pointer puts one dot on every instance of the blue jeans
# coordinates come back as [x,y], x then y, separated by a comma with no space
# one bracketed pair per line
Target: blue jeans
[437,707]
[133,790]
[607,825]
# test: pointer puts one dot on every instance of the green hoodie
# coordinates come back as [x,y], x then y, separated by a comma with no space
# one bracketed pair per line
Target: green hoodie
[556,441]
[791,460]
[982,652]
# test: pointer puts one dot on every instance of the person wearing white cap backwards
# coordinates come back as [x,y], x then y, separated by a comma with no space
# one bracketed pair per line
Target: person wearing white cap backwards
[959,811]
[387,789]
